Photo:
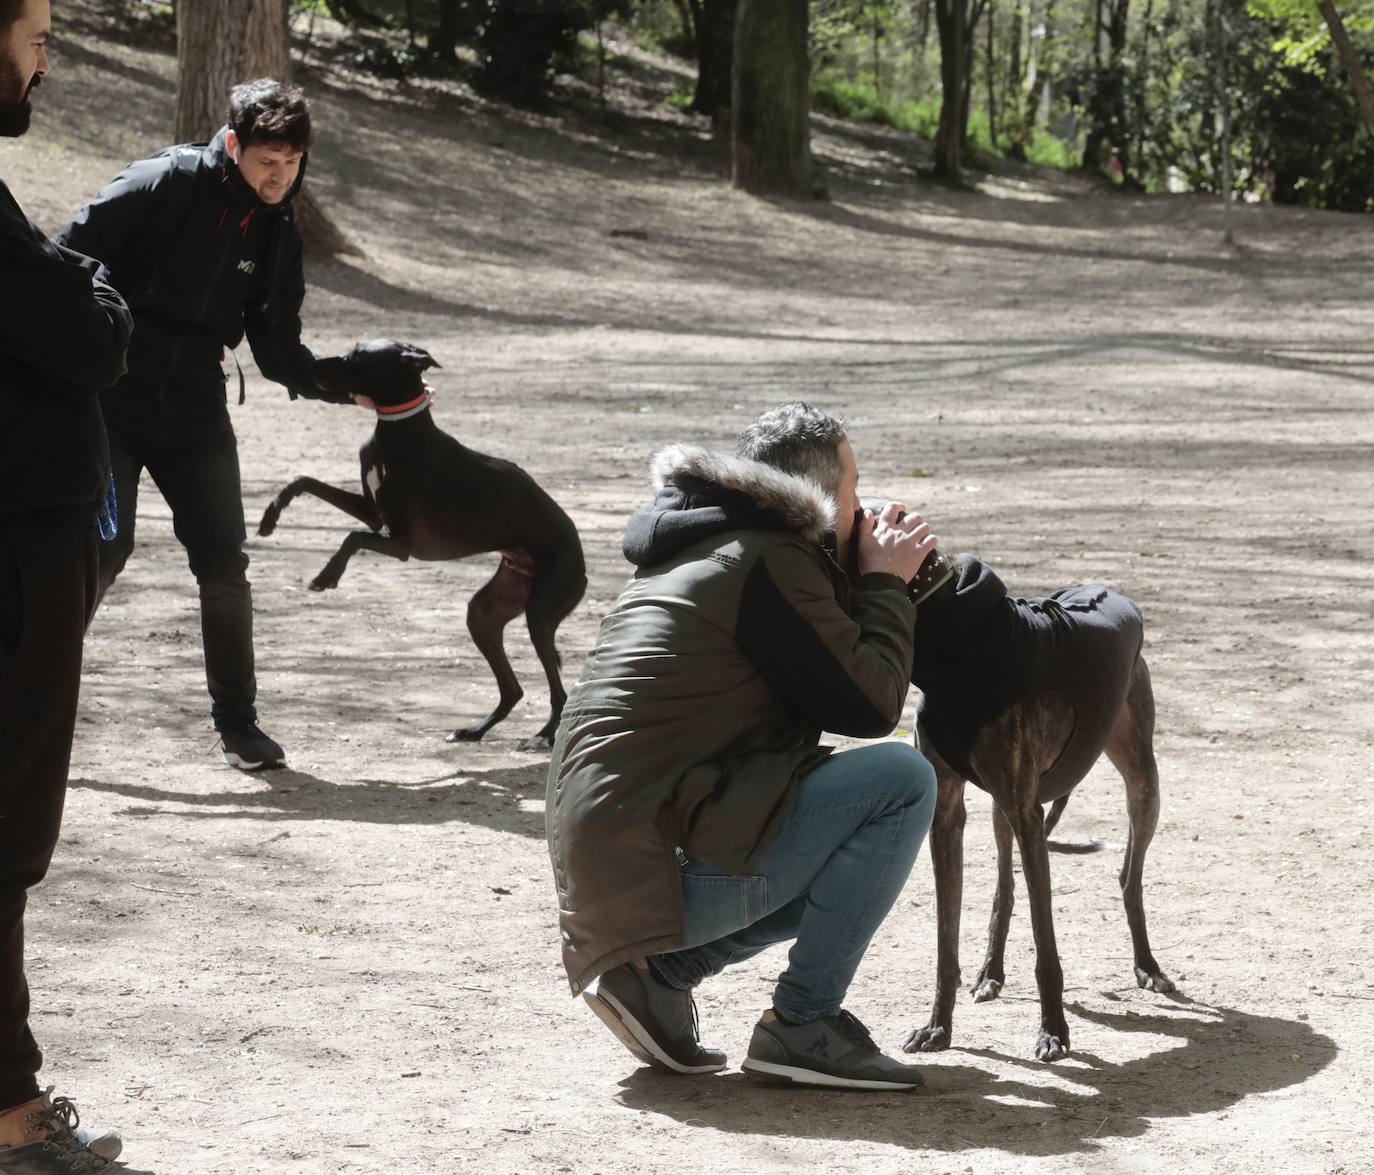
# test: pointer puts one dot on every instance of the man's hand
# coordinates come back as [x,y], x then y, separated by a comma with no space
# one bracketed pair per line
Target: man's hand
[894,542]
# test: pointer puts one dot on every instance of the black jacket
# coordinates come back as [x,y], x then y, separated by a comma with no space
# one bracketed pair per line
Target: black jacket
[63,335]
[201,261]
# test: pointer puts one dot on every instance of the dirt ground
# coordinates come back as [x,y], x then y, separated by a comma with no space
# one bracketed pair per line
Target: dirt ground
[352,965]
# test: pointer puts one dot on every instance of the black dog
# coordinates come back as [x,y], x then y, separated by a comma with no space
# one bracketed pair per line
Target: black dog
[426,495]
[1021,697]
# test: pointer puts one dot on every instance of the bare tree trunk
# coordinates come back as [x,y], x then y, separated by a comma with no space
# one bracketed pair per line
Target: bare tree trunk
[950,20]
[769,117]
[992,77]
[219,44]
[1364,95]
[715,27]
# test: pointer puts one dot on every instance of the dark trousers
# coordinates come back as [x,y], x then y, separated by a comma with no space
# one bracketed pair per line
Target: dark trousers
[47,594]
[196,467]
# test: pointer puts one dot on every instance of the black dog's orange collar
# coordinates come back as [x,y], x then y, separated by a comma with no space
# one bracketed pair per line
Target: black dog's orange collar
[409,408]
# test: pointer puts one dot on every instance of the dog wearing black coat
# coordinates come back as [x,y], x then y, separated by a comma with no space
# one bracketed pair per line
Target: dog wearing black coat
[1021,697]
[426,495]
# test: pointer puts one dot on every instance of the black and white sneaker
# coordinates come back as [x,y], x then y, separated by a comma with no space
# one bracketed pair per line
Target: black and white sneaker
[836,1051]
[248,749]
[655,1021]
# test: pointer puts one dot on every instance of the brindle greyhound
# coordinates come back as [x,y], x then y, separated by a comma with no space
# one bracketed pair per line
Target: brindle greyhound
[433,498]
[1021,697]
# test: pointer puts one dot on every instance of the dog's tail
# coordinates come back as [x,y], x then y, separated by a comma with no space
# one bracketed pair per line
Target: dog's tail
[1064,846]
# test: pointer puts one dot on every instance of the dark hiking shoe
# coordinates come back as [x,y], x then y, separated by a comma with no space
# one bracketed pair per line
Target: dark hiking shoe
[37,1138]
[835,1051]
[248,749]
[656,1022]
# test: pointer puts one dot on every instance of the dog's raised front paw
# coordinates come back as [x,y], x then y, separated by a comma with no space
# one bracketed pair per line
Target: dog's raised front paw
[1051,1047]
[323,583]
[1153,981]
[933,1038]
[986,990]
[465,734]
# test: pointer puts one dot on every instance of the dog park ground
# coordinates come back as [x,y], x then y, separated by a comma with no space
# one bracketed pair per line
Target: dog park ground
[352,965]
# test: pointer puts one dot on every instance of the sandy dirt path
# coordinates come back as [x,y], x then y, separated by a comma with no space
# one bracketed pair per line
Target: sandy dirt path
[352,966]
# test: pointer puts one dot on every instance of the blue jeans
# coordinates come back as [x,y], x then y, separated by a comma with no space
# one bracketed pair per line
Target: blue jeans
[828,880]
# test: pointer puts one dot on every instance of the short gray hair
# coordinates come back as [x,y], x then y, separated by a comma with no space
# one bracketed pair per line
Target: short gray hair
[797,439]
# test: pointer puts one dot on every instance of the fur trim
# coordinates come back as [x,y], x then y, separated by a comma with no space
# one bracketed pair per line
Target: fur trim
[798,501]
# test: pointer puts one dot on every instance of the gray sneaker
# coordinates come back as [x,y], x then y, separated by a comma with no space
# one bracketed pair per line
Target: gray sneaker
[100,1140]
[655,1021]
[836,1052]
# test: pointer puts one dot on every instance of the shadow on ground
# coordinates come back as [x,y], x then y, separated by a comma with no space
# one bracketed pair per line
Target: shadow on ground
[491,799]
[1214,1058]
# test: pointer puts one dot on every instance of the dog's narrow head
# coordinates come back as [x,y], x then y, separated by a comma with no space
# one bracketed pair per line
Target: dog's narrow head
[386,371]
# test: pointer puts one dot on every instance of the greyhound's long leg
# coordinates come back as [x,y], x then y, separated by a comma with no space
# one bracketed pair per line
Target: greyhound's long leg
[947,855]
[1028,823]
[1130,747]
[551,599]
[354,505]
[355,541]
[988,985]
[499,601]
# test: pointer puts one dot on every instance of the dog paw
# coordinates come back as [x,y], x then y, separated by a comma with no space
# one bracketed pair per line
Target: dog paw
[986,990]
[933,1038]
[536,742]
[323,583]
[1153,981]
[269,519]
[1051,1047]
[465,734]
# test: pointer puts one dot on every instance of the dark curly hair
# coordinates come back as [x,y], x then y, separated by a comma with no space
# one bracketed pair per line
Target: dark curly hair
[10,11]
[267,111]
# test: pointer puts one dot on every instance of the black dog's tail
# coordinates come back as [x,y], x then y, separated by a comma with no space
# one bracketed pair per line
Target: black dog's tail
[1067,846]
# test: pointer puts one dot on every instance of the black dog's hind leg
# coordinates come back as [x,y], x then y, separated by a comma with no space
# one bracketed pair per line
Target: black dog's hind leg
[987,985]
[354,505]
[500,601]
[551,599]
[947,854]
[355,541]
[1130,747]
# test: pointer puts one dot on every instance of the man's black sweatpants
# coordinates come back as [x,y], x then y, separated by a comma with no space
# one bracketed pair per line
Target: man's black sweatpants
[47,594]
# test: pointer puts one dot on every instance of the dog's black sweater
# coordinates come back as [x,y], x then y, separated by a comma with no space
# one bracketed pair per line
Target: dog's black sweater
[981,650]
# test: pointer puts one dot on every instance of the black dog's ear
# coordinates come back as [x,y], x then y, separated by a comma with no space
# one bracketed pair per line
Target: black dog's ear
[418,358]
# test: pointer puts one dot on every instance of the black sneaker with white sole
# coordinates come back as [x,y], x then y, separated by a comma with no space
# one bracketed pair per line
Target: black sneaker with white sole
[836,1052]
[248,749]
[654,1020]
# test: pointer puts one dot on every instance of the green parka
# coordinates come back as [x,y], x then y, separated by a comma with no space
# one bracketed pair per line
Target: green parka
[736,642]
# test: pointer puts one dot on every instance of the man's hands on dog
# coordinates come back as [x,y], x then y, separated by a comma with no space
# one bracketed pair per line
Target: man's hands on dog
[894,542]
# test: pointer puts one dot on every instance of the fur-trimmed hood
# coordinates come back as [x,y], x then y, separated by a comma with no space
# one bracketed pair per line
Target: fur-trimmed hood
[700,492]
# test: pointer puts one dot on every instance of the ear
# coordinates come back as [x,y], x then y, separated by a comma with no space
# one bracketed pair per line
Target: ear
[418,358]
[231,145]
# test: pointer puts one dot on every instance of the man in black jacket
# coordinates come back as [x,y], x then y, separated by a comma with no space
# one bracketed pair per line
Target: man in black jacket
[63,335]
[202,243]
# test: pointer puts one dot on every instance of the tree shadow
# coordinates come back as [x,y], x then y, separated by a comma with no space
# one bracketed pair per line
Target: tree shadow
[493,798]
[1218,1056]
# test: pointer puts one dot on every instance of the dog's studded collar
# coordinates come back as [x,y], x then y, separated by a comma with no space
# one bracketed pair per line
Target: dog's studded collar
[409,408]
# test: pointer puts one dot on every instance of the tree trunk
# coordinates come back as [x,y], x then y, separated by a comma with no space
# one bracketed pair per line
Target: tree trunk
[770,135]
[715,60]
[219,44]
[443,42]
[1364,95]
[992,76]
[950,19]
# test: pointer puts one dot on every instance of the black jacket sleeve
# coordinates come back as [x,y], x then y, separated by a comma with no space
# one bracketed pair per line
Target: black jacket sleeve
[846,674]
[61,317]
[274,333]
[127,217]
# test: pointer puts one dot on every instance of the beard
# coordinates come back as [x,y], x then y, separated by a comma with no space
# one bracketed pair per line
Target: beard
[14,115]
